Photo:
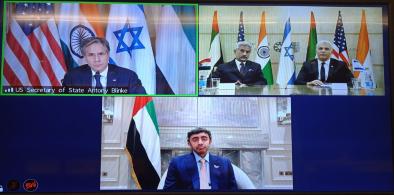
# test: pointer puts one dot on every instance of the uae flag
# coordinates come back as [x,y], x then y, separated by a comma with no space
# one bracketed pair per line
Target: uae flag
[263,55]
[143,144]
[311,50]
[215,50]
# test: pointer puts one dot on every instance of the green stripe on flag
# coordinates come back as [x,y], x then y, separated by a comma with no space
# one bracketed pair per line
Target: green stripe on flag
[267,73]
[150,107]
[311,50]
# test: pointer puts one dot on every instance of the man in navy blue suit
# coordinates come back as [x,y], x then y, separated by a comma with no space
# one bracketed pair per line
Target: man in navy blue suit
[98,76]
[199,169]
[324,69]
[240,70]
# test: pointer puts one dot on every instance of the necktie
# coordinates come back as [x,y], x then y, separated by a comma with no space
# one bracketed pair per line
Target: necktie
[98,82]
[322,72]
[243,69]
[203,175]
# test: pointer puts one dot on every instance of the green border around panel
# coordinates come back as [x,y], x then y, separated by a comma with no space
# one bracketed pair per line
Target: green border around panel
[98,95]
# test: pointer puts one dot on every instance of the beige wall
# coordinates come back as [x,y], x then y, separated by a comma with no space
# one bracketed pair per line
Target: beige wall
[326,18]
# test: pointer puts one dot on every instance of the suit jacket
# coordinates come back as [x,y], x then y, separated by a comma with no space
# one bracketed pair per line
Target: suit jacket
[183,173]
[338,72]
[229,73]
[117,77]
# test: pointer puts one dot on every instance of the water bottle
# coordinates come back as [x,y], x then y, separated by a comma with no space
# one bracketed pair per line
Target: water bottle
[368,80]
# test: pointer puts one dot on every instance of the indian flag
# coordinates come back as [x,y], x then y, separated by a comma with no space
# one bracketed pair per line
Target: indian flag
[263,55]
[143,144]
[363,51]
[76,22]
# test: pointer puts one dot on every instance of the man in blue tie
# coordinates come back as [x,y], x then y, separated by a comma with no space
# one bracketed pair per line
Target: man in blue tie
[324,69]
[200,170]
[97,76]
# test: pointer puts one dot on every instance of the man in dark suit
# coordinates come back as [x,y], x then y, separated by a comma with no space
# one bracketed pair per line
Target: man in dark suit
[240,70]
[200,169]
[98,76]
[324,69]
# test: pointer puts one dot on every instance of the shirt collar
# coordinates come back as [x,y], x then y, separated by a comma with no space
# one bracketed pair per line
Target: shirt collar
[198,157]
[238,62]
[327,62]
[104,73]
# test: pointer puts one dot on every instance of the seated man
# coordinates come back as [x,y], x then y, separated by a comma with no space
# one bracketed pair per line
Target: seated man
[98,74]
[200,169]
[324,69]
[240,70]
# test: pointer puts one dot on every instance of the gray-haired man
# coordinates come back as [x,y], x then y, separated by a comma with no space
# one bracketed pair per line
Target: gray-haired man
[240,70]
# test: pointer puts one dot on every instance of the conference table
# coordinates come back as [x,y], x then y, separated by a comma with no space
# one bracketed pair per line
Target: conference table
[289,90]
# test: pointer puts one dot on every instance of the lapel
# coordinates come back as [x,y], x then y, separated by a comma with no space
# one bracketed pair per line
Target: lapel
[330,69]
[213,171]
[86,80]
[248,67]
[194,171]
[315,67]
[111,76]
[234,68]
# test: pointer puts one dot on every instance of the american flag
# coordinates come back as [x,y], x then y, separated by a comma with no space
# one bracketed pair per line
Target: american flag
[32,51]
[241,30]
[339,48]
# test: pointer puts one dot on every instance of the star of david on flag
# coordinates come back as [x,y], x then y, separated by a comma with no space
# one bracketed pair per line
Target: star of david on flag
[286,70]
[134,32]
[130,44]
[289,52]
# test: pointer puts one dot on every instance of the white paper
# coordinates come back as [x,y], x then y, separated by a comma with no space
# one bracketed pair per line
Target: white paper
[338,86]
[227,86]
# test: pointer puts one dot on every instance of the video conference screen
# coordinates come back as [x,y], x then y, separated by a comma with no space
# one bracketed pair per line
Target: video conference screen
[49,48]
[196,97]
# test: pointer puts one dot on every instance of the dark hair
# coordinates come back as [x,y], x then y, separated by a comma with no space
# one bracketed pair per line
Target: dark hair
[90,40]
[197,131]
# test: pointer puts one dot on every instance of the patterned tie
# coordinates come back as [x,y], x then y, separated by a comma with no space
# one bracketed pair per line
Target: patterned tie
[322,72]
[203,176]
[98,82]
[243,69]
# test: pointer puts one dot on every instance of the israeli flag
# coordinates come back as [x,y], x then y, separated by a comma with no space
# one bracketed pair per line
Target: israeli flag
[128,36]
[286,70]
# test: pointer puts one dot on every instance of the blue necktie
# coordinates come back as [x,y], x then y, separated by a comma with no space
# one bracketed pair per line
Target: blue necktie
[98,82]
[243,69]
[322,72]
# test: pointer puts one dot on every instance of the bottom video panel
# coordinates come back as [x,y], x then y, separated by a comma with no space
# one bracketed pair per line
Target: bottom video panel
[156,143]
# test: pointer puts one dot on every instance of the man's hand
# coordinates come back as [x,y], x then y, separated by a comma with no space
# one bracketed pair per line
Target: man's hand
[238,82]
[315,83]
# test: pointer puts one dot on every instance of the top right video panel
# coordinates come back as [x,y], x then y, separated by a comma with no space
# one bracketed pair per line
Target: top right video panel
[292,50]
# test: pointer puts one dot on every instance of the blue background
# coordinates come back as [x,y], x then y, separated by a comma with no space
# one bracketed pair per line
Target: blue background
[346,146]
[55,140]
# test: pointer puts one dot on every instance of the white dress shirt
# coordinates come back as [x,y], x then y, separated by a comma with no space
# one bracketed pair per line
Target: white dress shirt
[326,68]
[103,78]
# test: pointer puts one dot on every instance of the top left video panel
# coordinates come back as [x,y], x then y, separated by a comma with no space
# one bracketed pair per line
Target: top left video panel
[99,49]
